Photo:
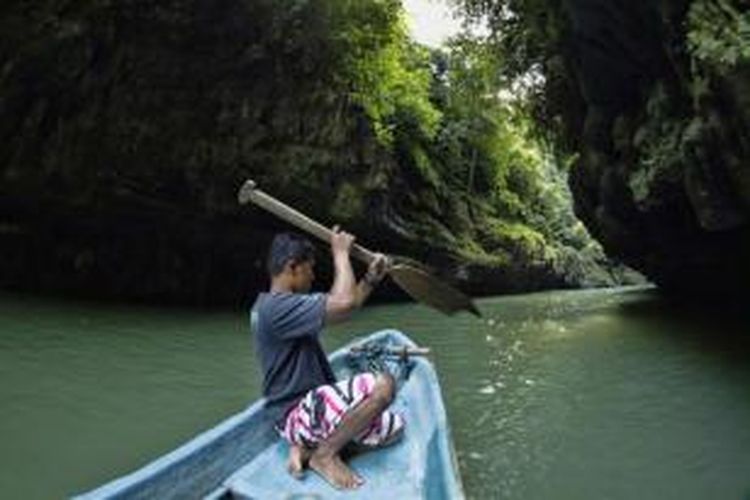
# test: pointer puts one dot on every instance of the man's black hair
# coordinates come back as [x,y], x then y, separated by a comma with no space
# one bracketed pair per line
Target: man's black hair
[288,247]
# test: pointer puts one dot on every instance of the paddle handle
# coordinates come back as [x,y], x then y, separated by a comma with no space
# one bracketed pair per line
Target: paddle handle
[395,351]
[250,192]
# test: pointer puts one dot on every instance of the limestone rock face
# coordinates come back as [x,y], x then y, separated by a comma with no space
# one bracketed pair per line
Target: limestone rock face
[126,129]
[662,127]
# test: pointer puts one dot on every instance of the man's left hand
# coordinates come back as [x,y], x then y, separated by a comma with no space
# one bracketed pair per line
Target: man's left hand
[378,268]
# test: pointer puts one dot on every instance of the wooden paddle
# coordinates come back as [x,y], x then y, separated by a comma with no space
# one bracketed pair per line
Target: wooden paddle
[413,279]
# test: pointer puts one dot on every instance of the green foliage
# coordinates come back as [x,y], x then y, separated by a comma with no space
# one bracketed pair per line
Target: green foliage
[718,33]
[524,35]
[522,30]
[387,74]
[347,205]
[326,102]
[486,152]
[660,147]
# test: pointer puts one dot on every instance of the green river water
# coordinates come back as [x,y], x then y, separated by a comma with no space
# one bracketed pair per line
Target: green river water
[563,395]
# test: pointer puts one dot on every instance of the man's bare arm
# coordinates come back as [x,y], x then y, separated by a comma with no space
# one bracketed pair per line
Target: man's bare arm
[346,295]
[342,298]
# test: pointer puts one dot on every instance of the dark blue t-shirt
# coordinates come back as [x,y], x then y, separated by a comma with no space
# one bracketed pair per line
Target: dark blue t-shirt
[286,327]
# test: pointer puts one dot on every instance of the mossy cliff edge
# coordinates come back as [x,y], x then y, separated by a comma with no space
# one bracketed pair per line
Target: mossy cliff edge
[653,99]
[128,127]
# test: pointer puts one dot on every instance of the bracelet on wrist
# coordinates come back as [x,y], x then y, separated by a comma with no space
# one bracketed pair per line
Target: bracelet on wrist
[371,279]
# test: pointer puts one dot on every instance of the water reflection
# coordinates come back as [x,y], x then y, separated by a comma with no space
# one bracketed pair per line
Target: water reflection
[597,394]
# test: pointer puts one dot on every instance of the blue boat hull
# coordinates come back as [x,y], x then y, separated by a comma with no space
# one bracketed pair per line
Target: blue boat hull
[243,457]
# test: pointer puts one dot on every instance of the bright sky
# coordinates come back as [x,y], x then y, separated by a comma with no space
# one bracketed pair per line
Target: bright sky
[431,21]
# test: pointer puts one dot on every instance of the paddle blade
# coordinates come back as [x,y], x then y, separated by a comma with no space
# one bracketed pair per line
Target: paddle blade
[424,287]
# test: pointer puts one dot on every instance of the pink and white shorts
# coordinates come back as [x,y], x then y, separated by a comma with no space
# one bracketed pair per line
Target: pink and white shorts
[321,410]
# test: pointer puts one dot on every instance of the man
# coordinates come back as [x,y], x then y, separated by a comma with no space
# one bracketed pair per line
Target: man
[320,415]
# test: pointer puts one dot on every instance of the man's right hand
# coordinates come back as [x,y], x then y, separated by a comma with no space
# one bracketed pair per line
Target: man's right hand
[341,241]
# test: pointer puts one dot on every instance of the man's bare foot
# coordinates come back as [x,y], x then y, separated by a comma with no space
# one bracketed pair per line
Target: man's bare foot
[298,458]
[335,471]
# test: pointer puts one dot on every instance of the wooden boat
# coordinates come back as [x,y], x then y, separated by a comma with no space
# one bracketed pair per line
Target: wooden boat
[244,458]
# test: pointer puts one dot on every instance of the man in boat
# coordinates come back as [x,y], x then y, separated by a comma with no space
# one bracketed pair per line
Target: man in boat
[320,416]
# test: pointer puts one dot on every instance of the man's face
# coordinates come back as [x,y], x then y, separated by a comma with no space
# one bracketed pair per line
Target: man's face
[303,275]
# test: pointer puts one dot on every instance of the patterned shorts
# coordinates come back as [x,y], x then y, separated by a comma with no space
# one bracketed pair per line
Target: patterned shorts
[321,410]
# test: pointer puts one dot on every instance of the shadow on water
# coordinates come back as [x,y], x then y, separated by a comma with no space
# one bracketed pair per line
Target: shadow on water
[719,328]
[612,393]
[715,329]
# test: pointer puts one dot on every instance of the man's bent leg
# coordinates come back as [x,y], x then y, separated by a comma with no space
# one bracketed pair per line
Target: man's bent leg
[325,458]
[359,446]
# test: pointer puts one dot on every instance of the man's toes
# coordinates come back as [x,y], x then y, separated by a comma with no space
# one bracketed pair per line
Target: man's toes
[352,482]
[356,478]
